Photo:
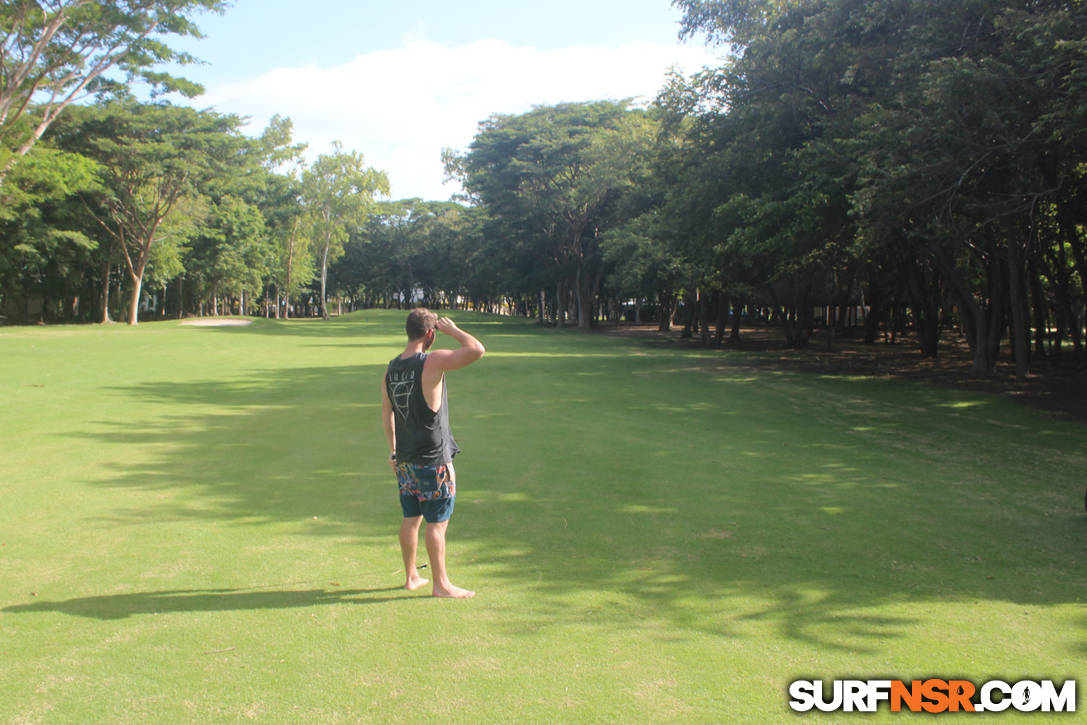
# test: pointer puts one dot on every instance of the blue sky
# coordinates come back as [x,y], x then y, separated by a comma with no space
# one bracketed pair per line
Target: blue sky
[400,81]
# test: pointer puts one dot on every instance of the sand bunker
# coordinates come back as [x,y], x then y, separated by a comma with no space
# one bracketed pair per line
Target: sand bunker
[216,322]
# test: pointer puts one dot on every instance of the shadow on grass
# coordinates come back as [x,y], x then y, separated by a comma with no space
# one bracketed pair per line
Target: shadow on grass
[611,481]
[282,445]
[121,606]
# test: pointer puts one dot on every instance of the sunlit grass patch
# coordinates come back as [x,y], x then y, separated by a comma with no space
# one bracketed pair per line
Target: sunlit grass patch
[196,524]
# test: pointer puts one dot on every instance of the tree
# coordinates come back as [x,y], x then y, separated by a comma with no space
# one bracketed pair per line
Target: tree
[149,157]
[251,209]
[338,194]
[765,194]
[231,251]
[977,157]
[42,242]
[648,254]
[271,182]
[553,177]
[944,141]
[644,265]
[55,52]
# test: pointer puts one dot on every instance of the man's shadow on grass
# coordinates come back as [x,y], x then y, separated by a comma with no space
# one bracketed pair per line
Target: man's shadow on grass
[122,606]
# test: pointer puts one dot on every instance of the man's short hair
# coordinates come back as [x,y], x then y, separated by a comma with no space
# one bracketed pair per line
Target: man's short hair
[420,322]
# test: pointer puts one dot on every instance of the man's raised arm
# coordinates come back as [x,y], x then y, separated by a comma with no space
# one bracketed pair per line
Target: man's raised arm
[470,349]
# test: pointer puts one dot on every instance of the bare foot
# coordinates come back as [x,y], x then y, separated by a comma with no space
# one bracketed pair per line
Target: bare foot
[452,592]
[415,582]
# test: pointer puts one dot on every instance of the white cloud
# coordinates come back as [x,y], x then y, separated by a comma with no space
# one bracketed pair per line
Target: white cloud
[401,107]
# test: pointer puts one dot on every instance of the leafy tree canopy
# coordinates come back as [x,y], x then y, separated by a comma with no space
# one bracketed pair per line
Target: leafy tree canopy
[55,52]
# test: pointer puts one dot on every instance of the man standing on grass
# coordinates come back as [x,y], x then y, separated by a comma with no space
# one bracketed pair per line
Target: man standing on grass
[415,412]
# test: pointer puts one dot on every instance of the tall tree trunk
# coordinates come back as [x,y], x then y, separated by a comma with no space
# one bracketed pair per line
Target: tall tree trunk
[561,302]
[831,325]
[983,325]
[584,306]
[134,300]
[876,309]
[923,285]
[1079,257]
[691,322]
[782,315]
[805,309]
[135,274]
[290,270]
[995,320]
[704,315]
[1017,300]
[666,302]
[586,299]
[1064,287]
[594,288]
[1038,300]
[737,309]
[105,291]
[722,318]
[324,281]
[44,296]
[71,296]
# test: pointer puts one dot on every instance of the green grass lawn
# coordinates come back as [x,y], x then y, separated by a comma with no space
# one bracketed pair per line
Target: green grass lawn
[199,525]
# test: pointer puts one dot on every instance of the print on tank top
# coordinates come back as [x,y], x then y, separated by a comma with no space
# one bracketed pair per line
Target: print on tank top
[402,385]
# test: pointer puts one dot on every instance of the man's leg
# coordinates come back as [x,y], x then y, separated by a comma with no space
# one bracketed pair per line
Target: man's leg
[435,546]
[409,543]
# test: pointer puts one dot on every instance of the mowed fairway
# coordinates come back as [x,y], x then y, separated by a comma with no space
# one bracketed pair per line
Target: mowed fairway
[199,525]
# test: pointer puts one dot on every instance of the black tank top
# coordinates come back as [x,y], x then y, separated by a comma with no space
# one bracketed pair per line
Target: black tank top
[422,435]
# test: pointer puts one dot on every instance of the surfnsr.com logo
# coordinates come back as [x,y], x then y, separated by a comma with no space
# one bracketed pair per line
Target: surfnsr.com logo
[933,696]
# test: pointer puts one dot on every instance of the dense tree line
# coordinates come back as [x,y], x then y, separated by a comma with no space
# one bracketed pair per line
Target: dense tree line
[884,164]
[119,209]
[924,162]
[928,156]
[174,212]
[890,164]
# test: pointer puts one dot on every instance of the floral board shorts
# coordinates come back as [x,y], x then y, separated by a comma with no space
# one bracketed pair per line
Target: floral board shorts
[428,491]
